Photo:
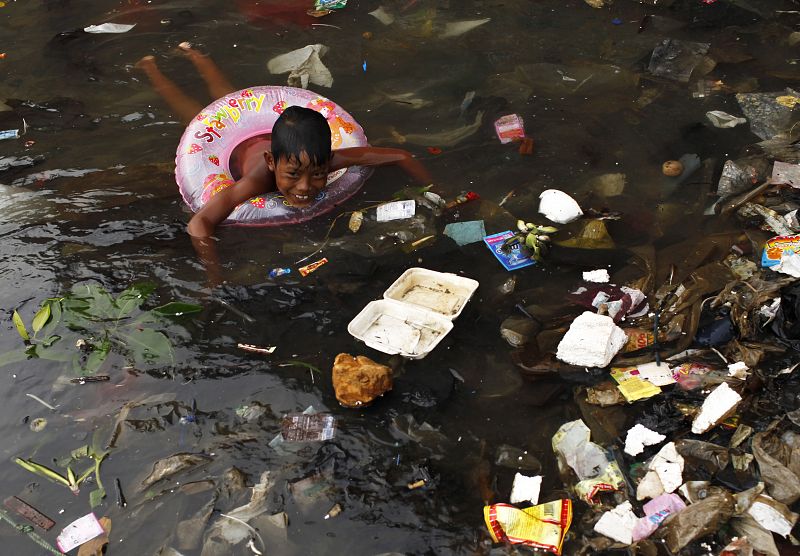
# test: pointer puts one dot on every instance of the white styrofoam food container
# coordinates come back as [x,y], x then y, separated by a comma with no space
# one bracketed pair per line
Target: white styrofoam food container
[441,292]
[415,314]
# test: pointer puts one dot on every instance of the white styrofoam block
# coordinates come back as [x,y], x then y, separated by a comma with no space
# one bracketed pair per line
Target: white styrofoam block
[559,207]
[665,473]
[599,276]
[640,436]
[591,341]
[773,515]
[618,523]
[526,489]
[717,405]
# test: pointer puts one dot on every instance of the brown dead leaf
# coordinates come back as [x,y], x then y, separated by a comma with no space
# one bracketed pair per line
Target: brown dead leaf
[95,546]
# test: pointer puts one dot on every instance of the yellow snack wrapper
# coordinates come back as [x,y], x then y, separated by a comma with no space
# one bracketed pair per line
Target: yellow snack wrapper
[633,387]
[543,526]
[309,268]
[609,480]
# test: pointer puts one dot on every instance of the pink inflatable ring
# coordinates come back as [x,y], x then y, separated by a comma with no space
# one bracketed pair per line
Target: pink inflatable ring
[202,161]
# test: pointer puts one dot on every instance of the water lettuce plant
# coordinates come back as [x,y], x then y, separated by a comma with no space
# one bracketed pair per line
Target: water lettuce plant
[99,325]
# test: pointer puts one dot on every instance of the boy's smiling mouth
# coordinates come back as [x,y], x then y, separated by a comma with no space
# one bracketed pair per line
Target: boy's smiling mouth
[300,200]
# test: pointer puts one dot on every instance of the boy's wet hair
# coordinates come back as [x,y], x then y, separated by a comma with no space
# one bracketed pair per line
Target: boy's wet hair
[300,130]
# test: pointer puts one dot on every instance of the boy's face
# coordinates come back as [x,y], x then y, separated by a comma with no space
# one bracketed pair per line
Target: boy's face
[297,179]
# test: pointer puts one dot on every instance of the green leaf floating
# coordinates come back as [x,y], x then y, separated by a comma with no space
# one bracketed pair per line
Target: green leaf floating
[41,317]
[132,298]
[147,344]
[104,325]
[20,326]
[96,497]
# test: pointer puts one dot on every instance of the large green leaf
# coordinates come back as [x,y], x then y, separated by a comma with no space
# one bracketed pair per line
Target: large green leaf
[132,298]
[94,360]
[55,318]
[101,304]
[76,313]
[176,309]
[20,326]
[146,344]
[41,317]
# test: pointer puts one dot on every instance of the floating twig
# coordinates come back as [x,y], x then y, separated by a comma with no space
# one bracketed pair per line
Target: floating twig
[87,379]
[255,349]
[121,502]
[234,310]
[41,401]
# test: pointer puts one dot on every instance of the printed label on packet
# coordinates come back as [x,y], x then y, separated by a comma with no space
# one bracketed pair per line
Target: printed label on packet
[509,128]
[776,247]
[633,387]
[309,268]
[511,257]
[543,526]
[609,480]
[396,210]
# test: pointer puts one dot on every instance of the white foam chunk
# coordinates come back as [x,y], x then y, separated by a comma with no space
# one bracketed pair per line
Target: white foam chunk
[591,341]
[640,436]
[773,515]
[738,370]
[599,276]
[526,489]
[559,207]
[618,523]
[664,475]
[718,405]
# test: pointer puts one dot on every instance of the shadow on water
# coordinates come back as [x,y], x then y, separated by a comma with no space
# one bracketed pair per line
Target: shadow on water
[88,195]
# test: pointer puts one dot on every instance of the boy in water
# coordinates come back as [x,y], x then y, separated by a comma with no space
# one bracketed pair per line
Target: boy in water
[294,160]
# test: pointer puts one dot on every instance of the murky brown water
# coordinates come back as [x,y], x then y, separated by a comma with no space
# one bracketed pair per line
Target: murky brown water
[101,205]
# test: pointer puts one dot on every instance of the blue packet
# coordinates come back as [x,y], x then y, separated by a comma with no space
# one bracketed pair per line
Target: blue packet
[516,256]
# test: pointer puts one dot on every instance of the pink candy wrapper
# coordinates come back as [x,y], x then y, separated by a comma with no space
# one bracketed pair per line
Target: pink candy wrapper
[509,128]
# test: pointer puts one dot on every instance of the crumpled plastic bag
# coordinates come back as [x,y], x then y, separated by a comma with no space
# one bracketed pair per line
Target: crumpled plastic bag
[697,520]
[304,66]
[723,120]
[779,465]
[786,324]
[674,59]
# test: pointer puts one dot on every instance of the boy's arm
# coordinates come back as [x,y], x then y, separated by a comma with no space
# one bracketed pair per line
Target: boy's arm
[374,156]
[217,209]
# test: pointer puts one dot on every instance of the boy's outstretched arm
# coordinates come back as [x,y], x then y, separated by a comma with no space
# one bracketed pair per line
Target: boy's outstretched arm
[217,209]
[374,156]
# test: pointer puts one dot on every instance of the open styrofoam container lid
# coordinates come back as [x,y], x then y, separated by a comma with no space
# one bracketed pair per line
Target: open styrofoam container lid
[394,327]
[441,292]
